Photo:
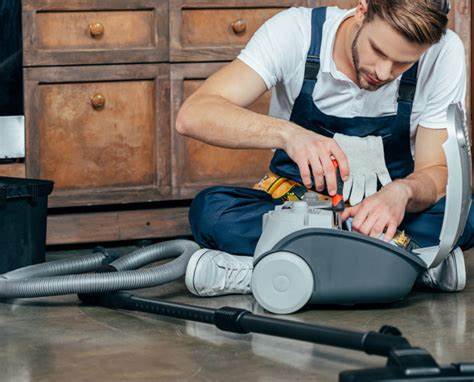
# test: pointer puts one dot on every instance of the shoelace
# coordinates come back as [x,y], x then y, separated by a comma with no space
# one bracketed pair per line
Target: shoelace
[232,272]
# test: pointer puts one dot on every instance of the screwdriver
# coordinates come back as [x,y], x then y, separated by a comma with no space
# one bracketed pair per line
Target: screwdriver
[338,200]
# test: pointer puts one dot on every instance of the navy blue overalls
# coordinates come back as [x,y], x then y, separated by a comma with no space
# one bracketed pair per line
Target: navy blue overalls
[230,218]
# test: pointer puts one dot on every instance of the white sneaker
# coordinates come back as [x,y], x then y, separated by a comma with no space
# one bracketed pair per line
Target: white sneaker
[215,273]
[449,276]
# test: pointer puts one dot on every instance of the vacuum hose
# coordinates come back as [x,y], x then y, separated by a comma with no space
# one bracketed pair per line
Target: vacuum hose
[70,277]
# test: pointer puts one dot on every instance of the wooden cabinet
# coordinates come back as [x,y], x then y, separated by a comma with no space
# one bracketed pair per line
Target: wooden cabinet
[196,165]
[104,80]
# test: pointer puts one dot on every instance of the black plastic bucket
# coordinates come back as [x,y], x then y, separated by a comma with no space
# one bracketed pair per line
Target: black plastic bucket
[23,213]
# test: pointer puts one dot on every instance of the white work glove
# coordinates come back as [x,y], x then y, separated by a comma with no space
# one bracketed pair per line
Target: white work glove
[366,164]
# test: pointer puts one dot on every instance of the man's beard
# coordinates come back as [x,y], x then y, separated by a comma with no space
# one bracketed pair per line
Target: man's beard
[358,70]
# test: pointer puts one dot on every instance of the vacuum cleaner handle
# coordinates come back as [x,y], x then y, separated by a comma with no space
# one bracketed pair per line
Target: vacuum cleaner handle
[242,321]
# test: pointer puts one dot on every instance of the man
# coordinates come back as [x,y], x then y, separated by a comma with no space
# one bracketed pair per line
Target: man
[379,78]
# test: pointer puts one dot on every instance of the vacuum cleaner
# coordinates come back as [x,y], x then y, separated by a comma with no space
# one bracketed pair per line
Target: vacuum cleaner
[305,237]
[304,257]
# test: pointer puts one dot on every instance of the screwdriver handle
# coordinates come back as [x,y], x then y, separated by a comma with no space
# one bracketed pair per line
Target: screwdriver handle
[338,199]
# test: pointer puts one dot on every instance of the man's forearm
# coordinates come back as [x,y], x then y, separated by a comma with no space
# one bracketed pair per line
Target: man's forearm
[424,187]
[219,122]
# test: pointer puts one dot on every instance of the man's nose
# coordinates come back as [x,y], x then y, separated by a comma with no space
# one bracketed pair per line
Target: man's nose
[384,70]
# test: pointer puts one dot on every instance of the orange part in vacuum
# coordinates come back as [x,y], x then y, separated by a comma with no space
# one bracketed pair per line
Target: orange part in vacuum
[338,199]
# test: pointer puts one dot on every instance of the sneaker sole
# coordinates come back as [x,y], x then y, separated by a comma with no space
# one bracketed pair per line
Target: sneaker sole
[460,269]
[191,270]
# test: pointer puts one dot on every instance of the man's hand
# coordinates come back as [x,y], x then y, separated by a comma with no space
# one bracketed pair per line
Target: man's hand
[380,213]
[313,153]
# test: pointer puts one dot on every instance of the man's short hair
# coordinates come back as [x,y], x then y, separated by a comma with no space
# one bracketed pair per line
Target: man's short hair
[419,21]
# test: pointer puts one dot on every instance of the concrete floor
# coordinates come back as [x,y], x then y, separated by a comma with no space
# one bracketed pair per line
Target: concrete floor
[60,339]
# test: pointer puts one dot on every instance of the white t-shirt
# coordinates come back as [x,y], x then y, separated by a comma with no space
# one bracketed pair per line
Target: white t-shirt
[278,50]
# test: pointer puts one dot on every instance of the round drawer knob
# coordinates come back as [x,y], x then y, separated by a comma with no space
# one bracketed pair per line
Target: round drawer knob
[98,101]
[239,26]
[96,30]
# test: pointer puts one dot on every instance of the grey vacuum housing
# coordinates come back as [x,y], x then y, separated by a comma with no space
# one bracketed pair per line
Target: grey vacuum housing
[302,257]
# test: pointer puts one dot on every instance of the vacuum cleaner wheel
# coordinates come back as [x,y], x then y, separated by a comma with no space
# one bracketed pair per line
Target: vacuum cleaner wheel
[282,283]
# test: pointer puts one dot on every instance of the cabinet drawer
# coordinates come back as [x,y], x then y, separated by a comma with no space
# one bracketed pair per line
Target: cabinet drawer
[197,165]
[101,133]
[217,30]
[59,32]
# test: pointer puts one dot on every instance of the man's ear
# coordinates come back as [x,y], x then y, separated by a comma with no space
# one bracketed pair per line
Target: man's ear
[361,11]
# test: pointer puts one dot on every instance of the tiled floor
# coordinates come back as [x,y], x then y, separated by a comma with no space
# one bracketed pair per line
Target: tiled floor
[60,339]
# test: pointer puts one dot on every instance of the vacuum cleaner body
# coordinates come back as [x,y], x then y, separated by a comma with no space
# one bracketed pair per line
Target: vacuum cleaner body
[327,265]
[303,256]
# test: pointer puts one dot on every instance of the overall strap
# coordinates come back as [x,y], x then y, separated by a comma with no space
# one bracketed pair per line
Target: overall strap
[407,90]
[313,61]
